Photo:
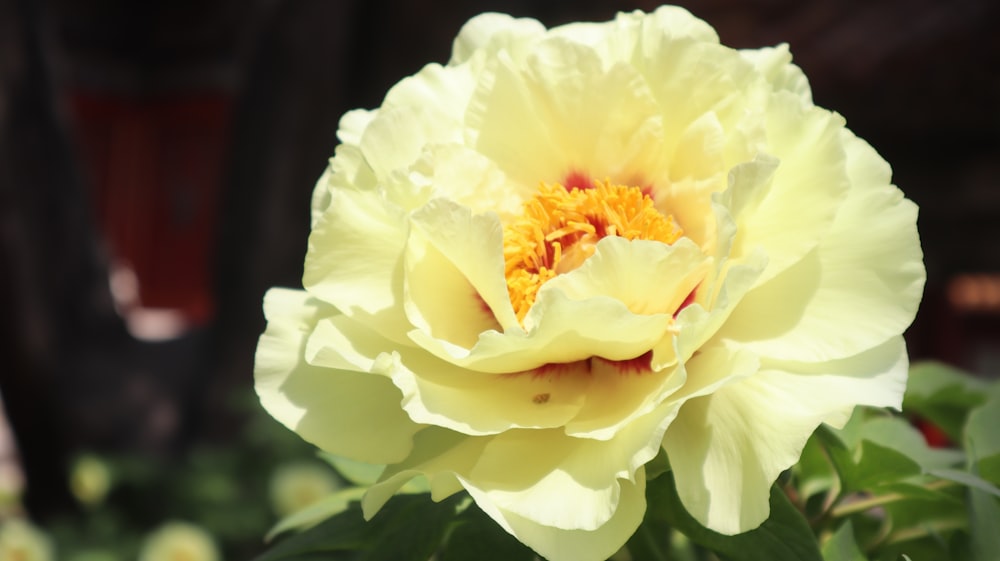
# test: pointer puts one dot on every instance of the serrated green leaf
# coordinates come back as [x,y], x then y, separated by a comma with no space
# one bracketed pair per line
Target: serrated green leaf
[476,536]
[785,536]
[842,546]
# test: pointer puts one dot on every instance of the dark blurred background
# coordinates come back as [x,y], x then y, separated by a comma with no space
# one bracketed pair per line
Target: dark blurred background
[157,159]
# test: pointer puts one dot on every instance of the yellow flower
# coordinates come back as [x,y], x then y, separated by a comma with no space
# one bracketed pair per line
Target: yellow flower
[90,480]
[295,486]
[179,541]
[22,541]
[533,267]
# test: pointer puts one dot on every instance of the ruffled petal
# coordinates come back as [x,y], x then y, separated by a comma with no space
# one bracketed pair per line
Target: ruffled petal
[775,64]
[556,544]
[728,447]
[860,287]
[440,91]
[355,260]
[436,392]
[353,124]
[564,482]
[455,286]
[575,116]
[461,174]
[797,208]
[311,399]
[557,330]
[439,455]
[647,277]
[490,33]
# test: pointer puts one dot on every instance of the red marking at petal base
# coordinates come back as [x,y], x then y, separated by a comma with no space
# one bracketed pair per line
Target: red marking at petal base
[578,180]
[637,365]
[687,301]
[556,369]
[483,306]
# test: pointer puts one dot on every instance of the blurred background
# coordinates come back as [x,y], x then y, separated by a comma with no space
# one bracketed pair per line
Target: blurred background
[156,164]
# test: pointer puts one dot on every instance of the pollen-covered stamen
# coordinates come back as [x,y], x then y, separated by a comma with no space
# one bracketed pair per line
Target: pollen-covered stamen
[560,228]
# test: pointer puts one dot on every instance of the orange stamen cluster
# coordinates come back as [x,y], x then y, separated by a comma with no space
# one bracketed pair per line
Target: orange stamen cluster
[560,228]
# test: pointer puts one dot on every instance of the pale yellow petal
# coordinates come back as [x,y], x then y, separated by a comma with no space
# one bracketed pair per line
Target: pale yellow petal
[860,287]
[490,33]
[397,136]
[455,285]
[621,392]
[439,393]
[439,455]
[797,209]
[574,116]
[648,277]
[558,330]
[712,368]
[440,92]
[348,413]
[465,176]
[355,259]
[689,78]
[715,301]
[353,124]
[556,544]
[728,447]
[565,482]
[775,63]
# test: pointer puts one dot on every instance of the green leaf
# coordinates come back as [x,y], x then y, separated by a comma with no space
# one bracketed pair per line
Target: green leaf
[842,546]
[967,479]
[881,451]
[896,433]
[658,465]
[814,472]
[358,473]
[943,395]
[989,468]
[879,465]
[984,521]
[982,437]
[317,512]
[477,537]
[409,528]
[785,536]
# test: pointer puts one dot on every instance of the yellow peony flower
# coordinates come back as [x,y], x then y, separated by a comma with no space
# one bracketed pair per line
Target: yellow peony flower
[22,541]
[533,267]
[297,485]
[90,480]
[179,541]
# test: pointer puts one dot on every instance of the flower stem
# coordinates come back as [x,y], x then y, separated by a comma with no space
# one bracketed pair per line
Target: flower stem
[862,505]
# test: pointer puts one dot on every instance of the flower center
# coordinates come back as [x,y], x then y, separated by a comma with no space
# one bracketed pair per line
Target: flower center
[560,228]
